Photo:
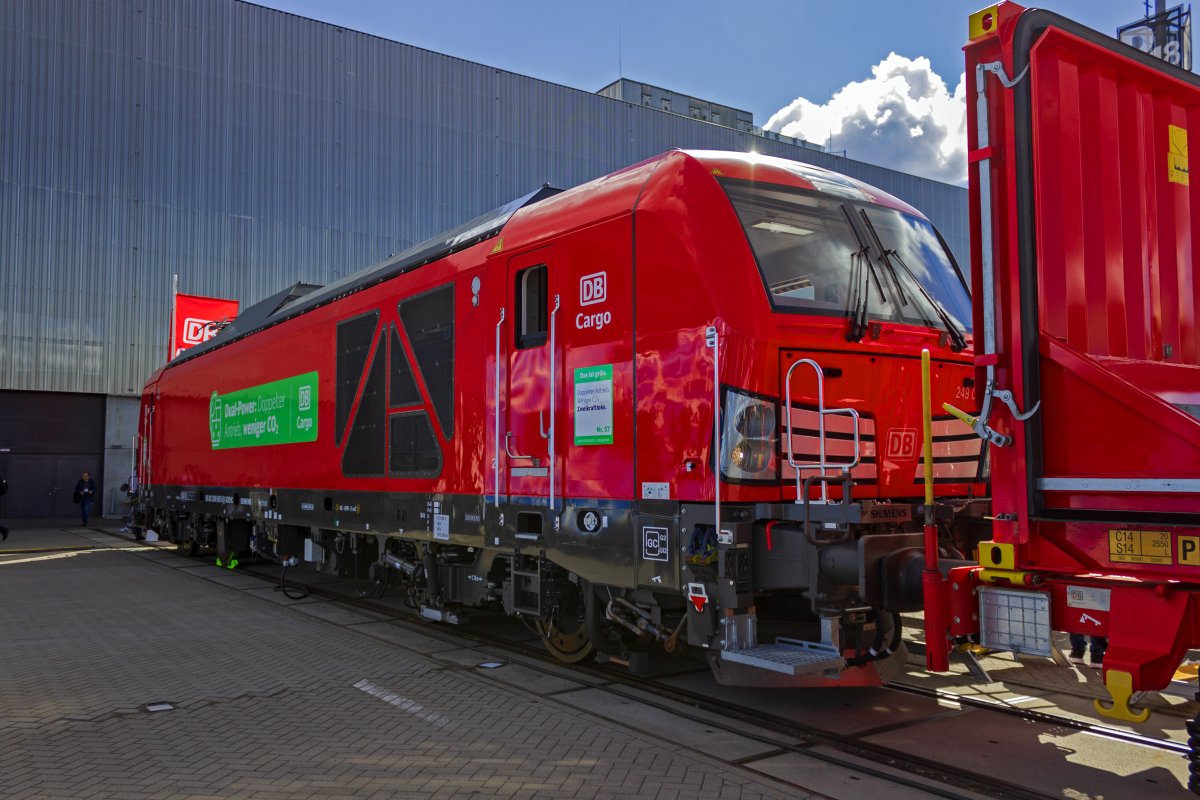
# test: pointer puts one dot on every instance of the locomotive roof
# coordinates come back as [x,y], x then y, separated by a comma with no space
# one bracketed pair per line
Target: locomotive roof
[303,297]
[772,169]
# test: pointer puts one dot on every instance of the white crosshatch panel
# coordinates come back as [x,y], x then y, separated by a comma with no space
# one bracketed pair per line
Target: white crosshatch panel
[1014,620]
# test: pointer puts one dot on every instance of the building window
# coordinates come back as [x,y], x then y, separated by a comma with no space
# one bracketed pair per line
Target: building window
[647,99]
[695,113]
[666,104]
[716,117]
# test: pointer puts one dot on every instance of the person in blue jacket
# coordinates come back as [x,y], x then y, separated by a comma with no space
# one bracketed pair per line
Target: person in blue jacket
[85,495]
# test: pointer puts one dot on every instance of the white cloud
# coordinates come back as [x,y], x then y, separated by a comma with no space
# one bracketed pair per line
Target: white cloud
[902,117]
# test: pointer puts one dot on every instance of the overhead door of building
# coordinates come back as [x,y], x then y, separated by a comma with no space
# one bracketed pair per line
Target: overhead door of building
[47,440]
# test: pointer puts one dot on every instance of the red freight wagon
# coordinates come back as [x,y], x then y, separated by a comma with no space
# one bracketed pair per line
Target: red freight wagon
[679,403]
[1083,253]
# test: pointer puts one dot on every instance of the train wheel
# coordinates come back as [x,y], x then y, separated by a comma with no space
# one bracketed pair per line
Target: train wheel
[185,543]
[565,634]
[568,646]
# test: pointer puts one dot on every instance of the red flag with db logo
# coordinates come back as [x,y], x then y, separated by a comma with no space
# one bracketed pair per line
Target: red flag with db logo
[198,319]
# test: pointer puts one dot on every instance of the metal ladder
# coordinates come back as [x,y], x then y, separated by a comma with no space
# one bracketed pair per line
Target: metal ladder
[824,465]
[527,585]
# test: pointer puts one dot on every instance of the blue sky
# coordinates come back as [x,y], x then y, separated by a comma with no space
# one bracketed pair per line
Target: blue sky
[758,56]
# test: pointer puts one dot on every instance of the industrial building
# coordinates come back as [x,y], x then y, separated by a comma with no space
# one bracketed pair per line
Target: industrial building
[245,149]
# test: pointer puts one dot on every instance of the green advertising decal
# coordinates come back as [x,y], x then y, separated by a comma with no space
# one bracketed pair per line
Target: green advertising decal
[280,412]
[594,405]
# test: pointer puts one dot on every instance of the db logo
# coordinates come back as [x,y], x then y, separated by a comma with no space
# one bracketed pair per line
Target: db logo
[593,288]
[196,331]
[902,444]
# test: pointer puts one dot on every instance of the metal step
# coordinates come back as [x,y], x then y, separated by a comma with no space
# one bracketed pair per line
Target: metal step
[789,656]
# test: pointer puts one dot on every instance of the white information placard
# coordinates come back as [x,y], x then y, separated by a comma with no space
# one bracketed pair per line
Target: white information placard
[594,405]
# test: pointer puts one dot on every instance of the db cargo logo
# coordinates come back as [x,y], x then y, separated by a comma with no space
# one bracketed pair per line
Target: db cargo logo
[902,444]
[196,331]
[593,288]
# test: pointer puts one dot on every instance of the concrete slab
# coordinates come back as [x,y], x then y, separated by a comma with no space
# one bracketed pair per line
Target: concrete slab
[235,580]
[527,679]
[676,726]
[466,657]
[1054,760]
[336,613]
[272,593]
[42,538]
[845,711]
[406,637]
[835,781]
[565,671]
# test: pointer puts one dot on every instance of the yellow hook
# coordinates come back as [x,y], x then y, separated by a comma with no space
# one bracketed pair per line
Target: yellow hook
[1120,689]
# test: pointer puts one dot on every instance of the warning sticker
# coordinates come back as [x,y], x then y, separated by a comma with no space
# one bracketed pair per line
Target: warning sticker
[1177,155]
[1139,547]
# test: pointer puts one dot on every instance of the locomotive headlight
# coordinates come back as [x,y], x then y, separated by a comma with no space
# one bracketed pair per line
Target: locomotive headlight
[751,455]
[748,437]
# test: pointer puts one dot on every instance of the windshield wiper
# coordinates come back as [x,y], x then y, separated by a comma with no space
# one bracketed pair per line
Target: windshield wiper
[858,304]
[958,342]
[957,339]
[887,262]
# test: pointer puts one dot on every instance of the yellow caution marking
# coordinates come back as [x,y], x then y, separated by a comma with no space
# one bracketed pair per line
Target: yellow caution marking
[996,556]
[498,246]
[983,23]
[1139,547]
[1120,689]
[1177,155]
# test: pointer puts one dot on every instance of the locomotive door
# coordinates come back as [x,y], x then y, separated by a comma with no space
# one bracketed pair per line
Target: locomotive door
[526,439]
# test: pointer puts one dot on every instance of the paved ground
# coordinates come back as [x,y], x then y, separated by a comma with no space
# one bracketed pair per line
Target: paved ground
[269,701]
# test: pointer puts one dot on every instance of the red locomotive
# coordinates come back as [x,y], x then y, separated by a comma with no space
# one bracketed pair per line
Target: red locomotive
[681,404]
[521,413]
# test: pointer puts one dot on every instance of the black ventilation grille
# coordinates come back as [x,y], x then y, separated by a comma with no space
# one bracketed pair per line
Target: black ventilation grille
[429,323]
[365,452]
[414,449]
[353,345]
[404,388]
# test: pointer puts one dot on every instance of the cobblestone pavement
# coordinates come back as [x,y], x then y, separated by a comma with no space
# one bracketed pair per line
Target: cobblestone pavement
[270,703]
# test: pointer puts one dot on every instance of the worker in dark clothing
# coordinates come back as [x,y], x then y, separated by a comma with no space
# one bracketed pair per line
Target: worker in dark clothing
[85,495]
[1079,644]
[3,491]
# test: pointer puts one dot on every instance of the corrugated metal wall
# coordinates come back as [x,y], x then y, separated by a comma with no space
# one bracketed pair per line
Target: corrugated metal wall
[245,149]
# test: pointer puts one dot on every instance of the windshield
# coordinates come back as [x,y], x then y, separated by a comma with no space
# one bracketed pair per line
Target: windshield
[833,255]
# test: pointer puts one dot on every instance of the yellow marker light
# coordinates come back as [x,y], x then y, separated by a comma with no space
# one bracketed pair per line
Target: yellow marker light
[984,23]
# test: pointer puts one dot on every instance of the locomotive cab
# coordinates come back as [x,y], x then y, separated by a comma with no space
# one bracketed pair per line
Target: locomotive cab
[805,298]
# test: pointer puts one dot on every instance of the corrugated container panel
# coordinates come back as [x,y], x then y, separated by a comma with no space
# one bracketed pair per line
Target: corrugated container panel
[1116,256]
[245,149]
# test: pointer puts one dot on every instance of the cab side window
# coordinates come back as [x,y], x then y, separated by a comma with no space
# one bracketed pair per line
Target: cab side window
[532,303]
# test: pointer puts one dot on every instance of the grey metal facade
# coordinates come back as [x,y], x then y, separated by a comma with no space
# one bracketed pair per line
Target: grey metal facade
[245,149]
